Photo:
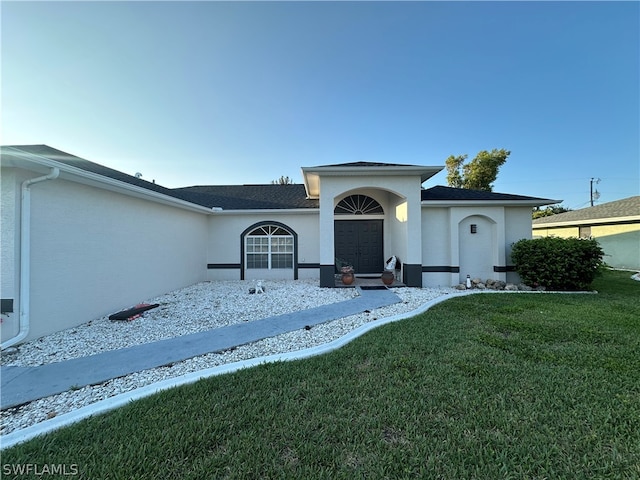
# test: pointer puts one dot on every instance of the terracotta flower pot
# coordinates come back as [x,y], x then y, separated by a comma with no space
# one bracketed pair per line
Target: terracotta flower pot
[347,278]
[388,277]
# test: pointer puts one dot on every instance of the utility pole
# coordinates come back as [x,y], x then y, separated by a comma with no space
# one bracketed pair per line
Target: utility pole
[594,193]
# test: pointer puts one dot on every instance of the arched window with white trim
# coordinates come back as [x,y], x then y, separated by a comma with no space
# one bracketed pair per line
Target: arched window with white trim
[269,247]
[358,205]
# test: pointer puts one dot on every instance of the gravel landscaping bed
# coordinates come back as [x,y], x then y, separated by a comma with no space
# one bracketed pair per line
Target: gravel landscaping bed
[197,308]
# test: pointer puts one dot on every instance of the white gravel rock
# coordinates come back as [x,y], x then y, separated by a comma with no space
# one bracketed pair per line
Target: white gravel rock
[193,309]
[197,308]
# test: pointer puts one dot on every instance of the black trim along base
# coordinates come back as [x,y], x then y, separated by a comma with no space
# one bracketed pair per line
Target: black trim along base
[237,266]
[440,269]
[327,276]
[308,265]
[450,269]
[412,275]
[218,266]
[503,269]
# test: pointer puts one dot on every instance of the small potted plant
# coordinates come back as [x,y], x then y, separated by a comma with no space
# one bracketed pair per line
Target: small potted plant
[346,270]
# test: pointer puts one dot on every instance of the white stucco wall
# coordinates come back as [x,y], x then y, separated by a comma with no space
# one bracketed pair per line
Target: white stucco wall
[94,252]
[447,241]
[9,227]
[7,231]
[495,251]
[436,246]
[478,252]
[397,223]
[224,242]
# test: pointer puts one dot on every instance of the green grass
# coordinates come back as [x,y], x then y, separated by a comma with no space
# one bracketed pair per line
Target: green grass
[480,387]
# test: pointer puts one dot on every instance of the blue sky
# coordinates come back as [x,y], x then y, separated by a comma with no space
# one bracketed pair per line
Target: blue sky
[192,93]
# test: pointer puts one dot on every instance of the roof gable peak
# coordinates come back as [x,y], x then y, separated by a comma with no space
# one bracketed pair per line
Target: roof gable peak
[367,164]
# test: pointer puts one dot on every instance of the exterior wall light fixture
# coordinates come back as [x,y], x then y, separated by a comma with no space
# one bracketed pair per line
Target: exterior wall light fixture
[474,228]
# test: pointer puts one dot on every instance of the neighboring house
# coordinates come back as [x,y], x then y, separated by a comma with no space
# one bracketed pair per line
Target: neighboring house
[616,226]
[80,240]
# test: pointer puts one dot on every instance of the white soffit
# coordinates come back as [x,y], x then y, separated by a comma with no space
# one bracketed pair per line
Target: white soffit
[312,175]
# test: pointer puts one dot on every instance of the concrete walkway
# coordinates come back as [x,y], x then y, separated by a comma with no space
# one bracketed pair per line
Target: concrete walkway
[19,385]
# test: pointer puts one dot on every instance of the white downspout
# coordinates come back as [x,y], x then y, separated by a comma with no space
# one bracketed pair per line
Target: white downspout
[25,255]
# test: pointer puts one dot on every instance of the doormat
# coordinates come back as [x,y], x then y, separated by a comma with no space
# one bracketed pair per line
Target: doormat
[373,287]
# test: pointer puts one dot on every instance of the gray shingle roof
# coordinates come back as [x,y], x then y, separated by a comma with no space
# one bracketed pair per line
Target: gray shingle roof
[247,197]
[88,166]
[626,207]
[231,197]
[367,164]
[461,194]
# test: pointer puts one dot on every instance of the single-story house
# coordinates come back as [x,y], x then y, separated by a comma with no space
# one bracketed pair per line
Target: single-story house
[616,226]
[80,240]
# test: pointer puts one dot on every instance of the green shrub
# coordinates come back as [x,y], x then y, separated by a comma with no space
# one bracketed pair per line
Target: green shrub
[558,263]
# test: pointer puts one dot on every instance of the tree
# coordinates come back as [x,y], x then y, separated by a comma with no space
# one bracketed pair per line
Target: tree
[282,181]
[479,173]
[547,211]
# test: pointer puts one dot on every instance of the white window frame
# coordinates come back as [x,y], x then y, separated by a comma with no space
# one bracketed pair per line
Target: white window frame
[274,245]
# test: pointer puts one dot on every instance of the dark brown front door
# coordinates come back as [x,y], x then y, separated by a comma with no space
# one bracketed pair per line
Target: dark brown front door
[359,242]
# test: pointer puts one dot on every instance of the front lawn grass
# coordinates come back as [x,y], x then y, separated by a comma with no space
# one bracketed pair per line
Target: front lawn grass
[496,386]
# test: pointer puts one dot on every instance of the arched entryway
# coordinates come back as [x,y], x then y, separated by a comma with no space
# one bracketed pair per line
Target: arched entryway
[359,233]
